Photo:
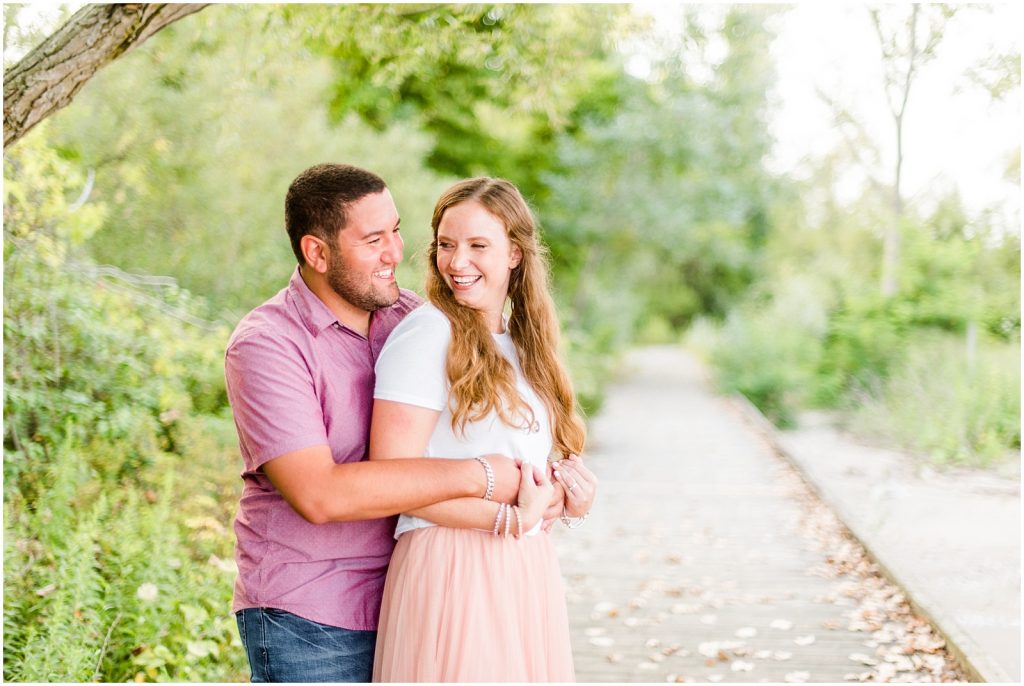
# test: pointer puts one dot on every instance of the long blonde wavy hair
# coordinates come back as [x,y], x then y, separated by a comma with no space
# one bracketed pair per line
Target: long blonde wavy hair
[482,379]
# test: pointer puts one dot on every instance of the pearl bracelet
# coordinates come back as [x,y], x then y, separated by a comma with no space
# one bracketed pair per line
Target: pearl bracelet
[570,522]
[497,519]
[489,491]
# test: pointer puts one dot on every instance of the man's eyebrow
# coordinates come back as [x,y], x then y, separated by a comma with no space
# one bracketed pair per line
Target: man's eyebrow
[378,232]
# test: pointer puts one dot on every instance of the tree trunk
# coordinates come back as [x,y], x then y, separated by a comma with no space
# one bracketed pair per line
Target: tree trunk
[48,78]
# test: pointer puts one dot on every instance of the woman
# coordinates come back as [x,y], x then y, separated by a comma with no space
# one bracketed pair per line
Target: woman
[479,597]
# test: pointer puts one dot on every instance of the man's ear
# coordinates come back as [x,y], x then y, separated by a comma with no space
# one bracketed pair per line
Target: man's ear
[315,252]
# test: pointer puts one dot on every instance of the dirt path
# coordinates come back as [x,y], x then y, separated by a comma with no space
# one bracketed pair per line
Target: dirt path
[707,559]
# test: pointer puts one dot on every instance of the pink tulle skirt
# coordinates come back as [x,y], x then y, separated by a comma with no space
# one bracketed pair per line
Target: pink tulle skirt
[463,605]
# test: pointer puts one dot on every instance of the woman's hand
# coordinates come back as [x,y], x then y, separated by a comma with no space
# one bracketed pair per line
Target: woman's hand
[579,483]
[535,491]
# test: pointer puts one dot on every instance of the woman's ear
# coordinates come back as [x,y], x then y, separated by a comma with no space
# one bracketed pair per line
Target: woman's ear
[517,257]
[315,252]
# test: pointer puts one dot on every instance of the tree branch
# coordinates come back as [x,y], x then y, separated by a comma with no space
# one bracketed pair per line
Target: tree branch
[50,76]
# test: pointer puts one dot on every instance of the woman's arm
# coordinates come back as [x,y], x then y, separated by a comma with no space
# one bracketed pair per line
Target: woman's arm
[400,430]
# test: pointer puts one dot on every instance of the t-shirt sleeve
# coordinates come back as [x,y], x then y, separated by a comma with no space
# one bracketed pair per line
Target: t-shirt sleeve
[411,366]
[272,397]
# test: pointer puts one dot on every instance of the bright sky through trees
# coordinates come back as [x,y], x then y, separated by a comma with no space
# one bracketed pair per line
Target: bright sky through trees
[956,136]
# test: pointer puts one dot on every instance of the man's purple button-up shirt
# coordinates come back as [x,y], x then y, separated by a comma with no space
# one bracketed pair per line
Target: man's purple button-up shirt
[297,378]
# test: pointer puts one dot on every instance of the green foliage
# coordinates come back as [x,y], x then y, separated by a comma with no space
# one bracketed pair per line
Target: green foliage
[772,365]
[844,346]
[104,386]
[194,185]
[667,199]
[939,404]
[491,84]
[866,335]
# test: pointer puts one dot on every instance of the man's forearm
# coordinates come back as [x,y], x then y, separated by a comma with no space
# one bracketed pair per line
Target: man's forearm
[380,488]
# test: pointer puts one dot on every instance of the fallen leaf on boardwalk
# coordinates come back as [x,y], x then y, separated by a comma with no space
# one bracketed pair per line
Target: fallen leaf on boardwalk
[863,659]
[652,643]
[684,609]
[804,640]
[710,662]
[637,603]
[708,619]
[746,632]
[831,624]
[672,649]
[865,676]
[885,672]
[708,649]
[602,641]
[797,677]
[781,624]
[614,658]
[714,678]
[595,631]
[656,657]
[674,558]
[927,644]
[743,652]
[782,655]
[741,666]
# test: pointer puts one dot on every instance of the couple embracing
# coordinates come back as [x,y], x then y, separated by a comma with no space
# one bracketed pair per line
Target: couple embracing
[347,389]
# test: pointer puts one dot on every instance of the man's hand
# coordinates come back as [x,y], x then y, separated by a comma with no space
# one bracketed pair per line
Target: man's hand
[506,478]
[554,510]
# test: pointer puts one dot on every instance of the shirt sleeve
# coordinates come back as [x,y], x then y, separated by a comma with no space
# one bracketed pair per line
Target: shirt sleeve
[270,388]
[411,366]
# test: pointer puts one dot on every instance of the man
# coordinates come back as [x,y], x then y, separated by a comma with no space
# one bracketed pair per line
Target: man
[314,524]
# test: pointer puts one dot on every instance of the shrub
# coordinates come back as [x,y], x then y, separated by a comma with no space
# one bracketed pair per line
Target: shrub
[118,462]
[938,405]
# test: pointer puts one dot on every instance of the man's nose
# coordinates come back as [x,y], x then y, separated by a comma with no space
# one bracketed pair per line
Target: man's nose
[395,248]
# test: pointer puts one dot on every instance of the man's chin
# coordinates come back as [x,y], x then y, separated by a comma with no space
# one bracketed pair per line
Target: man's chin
[388,297]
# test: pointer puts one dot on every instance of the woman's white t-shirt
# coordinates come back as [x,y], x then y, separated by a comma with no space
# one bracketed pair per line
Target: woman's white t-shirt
[411,369]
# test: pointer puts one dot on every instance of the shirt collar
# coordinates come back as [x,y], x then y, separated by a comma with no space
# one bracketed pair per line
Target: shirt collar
[315,315]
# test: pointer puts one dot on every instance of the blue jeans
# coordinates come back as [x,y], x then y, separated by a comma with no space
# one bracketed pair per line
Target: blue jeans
[284,647]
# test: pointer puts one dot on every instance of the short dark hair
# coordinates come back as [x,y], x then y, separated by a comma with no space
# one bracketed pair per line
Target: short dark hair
[318,198]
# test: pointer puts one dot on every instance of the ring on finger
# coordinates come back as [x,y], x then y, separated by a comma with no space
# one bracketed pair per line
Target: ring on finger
[573,486]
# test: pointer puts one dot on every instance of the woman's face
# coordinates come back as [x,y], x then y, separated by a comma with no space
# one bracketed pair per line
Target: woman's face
[476,258]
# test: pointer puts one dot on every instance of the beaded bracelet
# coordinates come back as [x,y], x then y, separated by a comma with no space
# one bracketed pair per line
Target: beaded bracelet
[497,519]
[569,522]
[519,521]
[489,492]
[508,518]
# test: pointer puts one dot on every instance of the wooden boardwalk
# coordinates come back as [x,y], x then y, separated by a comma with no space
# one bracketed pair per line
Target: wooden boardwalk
[706,559]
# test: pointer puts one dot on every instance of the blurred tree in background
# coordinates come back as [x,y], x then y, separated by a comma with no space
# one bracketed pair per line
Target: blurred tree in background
[142,221]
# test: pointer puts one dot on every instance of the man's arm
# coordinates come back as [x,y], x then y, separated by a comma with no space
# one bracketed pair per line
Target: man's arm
[399,430]
[264,374]
[322,491]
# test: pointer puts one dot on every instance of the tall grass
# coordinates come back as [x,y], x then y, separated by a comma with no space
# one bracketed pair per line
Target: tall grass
[938,405]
